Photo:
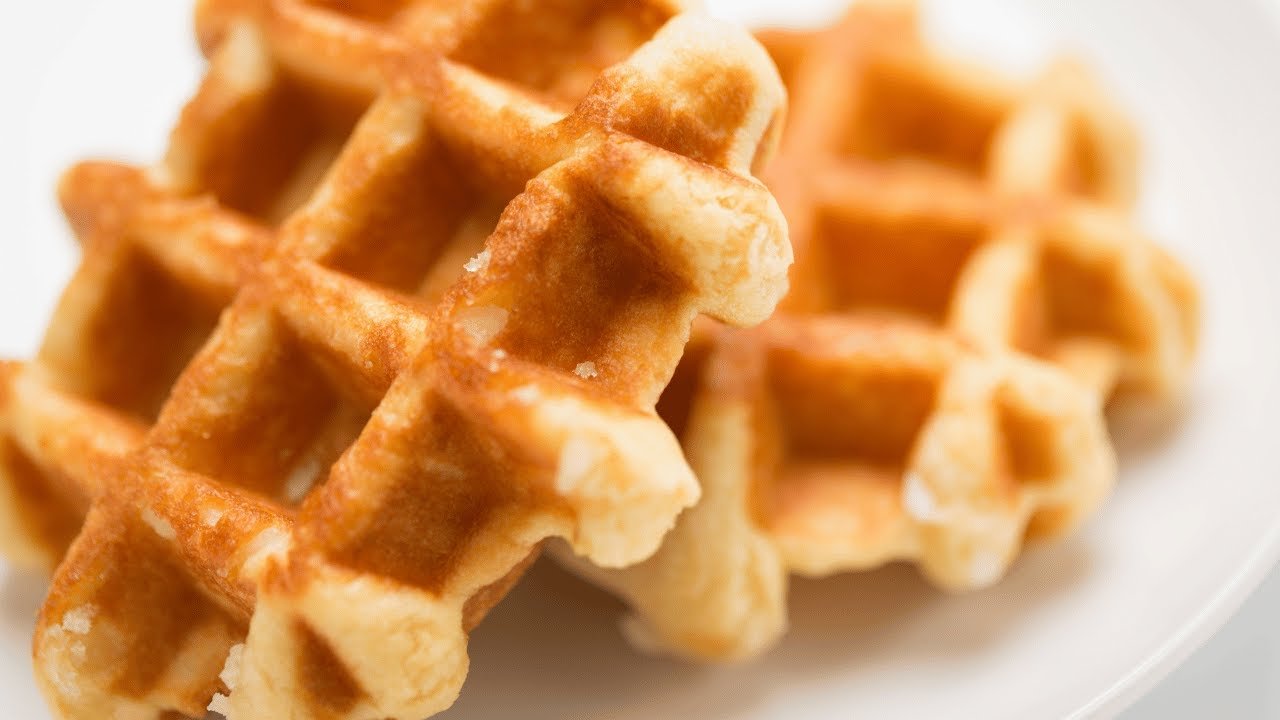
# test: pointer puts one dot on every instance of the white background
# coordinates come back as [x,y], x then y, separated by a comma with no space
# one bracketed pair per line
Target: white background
[106,78]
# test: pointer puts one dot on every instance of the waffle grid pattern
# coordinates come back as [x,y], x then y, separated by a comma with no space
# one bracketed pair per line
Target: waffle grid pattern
[396,308]
[969,292]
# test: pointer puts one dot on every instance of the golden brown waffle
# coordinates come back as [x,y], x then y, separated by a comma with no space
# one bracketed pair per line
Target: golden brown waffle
[922,186]
[953,231]
[313,422]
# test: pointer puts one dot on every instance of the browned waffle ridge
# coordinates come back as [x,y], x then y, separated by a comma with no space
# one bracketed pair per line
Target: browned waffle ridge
[395,308]
[968,293]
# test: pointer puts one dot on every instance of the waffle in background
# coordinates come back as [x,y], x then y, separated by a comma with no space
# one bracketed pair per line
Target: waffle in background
[297,422]
[969,291]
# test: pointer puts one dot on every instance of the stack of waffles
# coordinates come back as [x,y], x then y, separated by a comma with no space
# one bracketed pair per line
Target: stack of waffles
[408,299]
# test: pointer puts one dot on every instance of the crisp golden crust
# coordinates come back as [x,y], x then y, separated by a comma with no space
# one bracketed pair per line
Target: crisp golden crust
[395,309]
[829,443]
[961,240]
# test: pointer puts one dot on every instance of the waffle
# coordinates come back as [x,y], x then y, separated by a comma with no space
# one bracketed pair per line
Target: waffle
[395,308]
[968,293]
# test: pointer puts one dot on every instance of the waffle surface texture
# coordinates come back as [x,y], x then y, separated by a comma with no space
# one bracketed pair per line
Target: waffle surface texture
[395,308]
[969,292]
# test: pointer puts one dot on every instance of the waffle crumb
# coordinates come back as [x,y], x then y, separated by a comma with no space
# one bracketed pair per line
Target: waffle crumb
[478,263]
[586,370]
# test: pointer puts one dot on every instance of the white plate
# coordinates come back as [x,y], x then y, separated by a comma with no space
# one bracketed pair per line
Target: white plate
[1080,628]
